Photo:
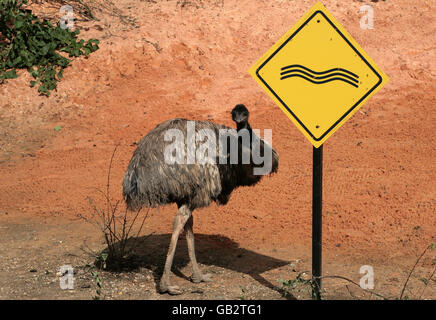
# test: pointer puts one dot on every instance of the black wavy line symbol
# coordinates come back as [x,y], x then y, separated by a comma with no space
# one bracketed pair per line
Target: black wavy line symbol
[335,74]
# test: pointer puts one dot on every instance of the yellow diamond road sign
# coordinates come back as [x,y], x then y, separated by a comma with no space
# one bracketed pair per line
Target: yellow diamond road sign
[318,75]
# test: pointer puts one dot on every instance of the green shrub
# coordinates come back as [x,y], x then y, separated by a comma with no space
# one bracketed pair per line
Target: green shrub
[26,42]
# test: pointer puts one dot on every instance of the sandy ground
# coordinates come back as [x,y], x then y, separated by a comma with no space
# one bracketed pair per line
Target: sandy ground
[164,59]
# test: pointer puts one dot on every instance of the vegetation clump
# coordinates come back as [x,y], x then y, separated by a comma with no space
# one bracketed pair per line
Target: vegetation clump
[27,42]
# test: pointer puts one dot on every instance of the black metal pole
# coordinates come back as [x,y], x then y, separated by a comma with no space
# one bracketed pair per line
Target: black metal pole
[317,222]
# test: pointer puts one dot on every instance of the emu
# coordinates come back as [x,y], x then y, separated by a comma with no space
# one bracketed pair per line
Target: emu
[151,182]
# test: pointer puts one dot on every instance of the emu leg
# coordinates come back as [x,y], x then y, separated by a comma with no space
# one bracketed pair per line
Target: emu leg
[197,276]
[180,220]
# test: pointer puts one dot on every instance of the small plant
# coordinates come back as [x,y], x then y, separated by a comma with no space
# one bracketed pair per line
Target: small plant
[98,281]
[102,257]
[242,296]
[119,228]
[289,285]
[93,269]
[26,42]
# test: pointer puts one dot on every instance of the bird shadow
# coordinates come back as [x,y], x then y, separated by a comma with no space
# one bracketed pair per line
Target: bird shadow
[212,250]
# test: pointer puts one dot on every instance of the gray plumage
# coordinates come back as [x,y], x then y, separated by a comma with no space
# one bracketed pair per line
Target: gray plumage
[151,182]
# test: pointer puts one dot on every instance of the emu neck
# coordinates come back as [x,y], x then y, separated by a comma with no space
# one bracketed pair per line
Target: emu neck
[243,125]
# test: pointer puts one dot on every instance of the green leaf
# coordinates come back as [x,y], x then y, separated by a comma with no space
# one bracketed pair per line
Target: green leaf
[17,60]
[11,74]
[61,74]
[34,73]
[43,90]
[19,23]
[44,50]
[87,51]
[34,83]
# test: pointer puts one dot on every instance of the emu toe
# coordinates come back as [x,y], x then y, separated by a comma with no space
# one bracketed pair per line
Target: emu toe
[172,290]
[197,278]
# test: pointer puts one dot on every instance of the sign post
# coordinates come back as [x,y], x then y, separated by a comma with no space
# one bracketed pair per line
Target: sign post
[317,222]
[319,76]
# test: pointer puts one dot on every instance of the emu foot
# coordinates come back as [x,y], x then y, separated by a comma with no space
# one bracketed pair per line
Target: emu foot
[172,290]
[199,277]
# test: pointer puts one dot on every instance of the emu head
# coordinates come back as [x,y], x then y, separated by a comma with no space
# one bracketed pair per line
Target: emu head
[240,115]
